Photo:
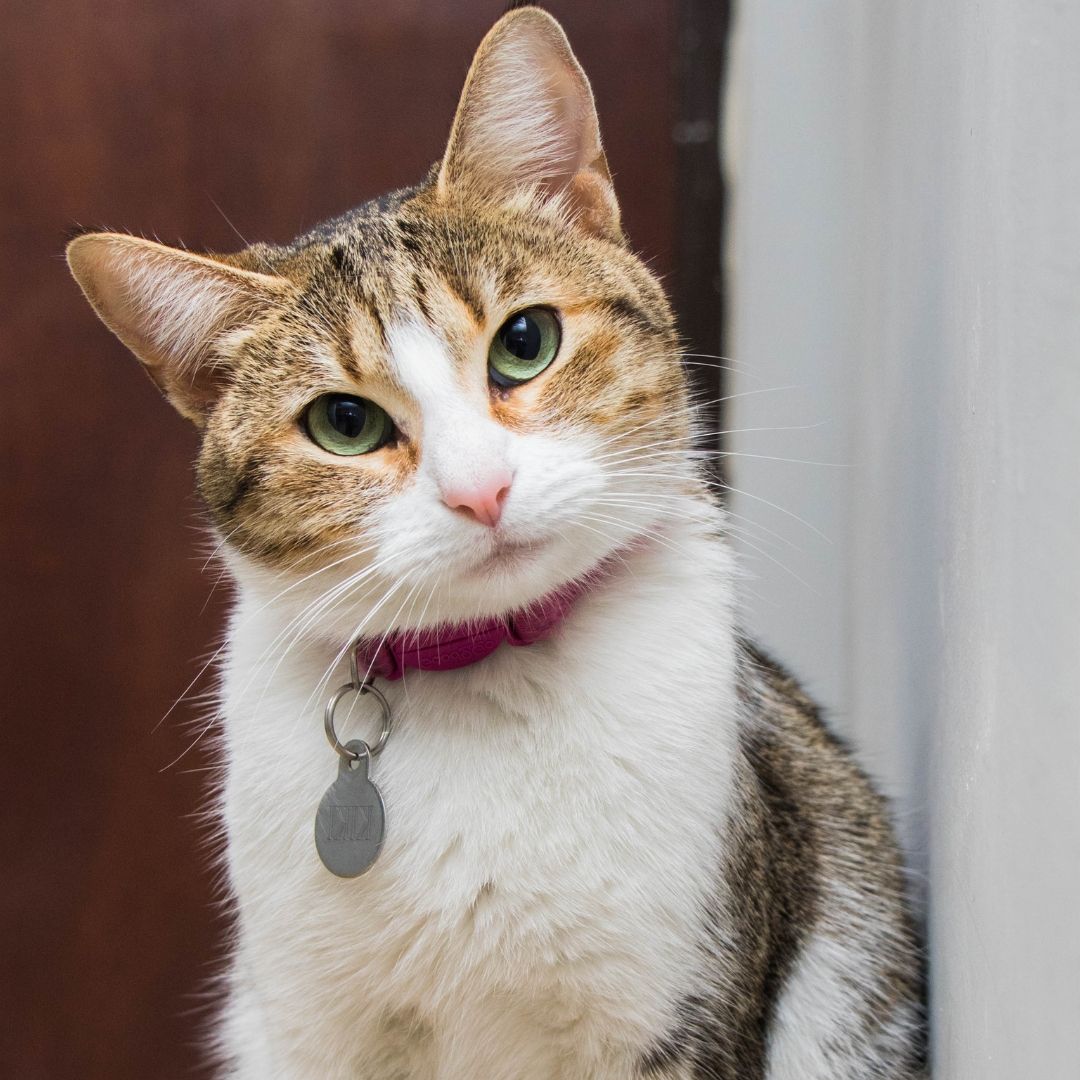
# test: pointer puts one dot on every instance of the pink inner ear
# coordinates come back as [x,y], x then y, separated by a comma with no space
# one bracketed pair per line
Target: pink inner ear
[593,200]
[578,144]
[169,307]
[526,118]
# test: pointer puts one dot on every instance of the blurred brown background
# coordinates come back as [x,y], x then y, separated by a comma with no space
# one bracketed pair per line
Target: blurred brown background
[165,119]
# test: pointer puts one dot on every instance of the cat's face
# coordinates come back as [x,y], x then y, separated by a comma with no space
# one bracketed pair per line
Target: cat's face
[444,404]
[403,319]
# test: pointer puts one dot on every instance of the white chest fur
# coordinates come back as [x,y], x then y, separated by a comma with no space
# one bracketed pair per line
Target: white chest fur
[552,819]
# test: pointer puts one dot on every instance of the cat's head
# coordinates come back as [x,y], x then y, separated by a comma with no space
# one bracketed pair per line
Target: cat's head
[445,403]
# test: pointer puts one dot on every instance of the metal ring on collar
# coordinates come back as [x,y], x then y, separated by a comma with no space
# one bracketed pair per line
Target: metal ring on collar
[328,721]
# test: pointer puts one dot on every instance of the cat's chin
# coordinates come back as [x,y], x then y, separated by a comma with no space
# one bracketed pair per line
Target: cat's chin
[506,556]
[514,574]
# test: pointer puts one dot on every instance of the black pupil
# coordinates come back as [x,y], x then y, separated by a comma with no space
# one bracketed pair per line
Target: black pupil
[346,416]
[521,337]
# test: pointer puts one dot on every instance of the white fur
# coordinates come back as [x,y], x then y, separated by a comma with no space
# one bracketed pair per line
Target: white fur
[813,1035]
[463,443]
[535,904]
[815,1000]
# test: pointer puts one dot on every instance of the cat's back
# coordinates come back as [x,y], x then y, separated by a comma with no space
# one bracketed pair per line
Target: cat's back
[818,935]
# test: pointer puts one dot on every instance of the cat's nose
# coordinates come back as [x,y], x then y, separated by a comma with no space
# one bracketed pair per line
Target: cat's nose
[482,502]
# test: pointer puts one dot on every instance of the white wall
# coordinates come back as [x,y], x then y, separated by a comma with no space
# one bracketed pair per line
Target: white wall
[905,251]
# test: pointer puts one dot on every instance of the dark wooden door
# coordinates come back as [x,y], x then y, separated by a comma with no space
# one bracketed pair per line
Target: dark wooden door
[194,122]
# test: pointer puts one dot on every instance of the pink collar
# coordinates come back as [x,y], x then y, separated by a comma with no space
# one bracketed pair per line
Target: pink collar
[456,645]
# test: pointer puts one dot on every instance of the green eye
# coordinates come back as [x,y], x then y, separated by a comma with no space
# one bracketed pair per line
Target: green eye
[524,345]
[347,425]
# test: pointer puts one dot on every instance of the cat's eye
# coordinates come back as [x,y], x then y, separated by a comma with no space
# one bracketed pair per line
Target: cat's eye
[346,425]
[524,345]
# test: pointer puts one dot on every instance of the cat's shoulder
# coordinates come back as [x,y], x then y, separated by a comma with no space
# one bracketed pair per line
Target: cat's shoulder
[791,746]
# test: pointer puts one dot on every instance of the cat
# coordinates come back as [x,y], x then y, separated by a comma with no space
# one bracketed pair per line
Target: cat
[449,450]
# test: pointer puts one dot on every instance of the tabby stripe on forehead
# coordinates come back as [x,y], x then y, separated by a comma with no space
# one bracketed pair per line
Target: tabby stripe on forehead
[420,297]
[457,284]
[342,347]
[346,357]
[371,308]
[409,233]
[509,279]
[343,261]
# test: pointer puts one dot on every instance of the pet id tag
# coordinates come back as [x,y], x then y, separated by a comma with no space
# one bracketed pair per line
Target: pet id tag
[351,823]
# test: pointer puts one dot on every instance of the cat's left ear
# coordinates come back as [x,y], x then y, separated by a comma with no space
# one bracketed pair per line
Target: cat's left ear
[527,119]
[171,308]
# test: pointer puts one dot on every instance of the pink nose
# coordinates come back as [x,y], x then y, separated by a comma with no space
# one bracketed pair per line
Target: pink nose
[483,502]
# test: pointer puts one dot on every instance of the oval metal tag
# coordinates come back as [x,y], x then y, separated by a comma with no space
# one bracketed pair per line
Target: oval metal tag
[351,820]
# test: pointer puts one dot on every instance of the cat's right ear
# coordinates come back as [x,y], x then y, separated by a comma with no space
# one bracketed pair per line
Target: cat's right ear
[527,120]
[171,308]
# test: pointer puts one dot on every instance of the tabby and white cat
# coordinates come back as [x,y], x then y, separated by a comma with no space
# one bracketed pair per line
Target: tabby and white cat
[628,849]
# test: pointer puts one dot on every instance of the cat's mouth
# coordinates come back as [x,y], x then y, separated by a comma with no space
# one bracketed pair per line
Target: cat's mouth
[505,554]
